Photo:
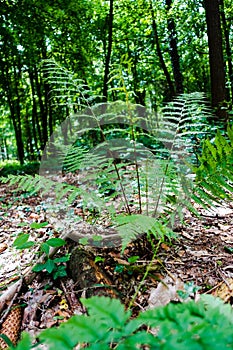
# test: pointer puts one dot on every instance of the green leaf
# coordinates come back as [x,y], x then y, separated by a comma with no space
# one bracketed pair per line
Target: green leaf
[23,238]
[60,271]
[140,338]
[64,338]
[49,265]
[22,242]
[6,339]
[45,248]
[22,224]
[86,332]
[83,241]
[133,259]
[96,238]
[25,342]
[62,259]
[38,267]
[107,310]
[37,225]
[55,242]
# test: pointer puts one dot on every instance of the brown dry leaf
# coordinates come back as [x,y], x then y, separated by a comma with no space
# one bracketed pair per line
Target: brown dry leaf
[225,290]
[164,246]
[224,227]
[3,247]
[165,292]
[34,216]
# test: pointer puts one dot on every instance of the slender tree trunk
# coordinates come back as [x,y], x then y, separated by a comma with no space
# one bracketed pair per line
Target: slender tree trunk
[34,108]
[174,54]
[139,94]
[160,56]
[228,50]
[217,74]
[109,51]
[17,114]
[29,137]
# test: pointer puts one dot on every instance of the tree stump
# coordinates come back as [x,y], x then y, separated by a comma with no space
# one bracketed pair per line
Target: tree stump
[89,278]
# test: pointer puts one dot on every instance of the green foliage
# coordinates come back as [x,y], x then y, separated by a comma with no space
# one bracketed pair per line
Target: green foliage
[214,175]
[14,168]
[206,324]
[52,266]
[122,172]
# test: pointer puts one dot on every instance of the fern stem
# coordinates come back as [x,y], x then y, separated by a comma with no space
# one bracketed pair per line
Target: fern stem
[148,268]
[123,191]
[112,156]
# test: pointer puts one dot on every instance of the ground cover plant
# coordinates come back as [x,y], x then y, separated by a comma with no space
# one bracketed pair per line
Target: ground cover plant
[206,324]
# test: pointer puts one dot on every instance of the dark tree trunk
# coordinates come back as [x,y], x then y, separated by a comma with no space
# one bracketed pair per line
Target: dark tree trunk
[174,54]
[17,114]
[160,56]
[217,74]
[139,94]
[16,126]
[34,108]
[109,51]
[226,32]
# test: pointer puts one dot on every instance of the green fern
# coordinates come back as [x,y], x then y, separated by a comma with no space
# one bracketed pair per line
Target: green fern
[136,163]
[121,171]
[206,324]
[214,175]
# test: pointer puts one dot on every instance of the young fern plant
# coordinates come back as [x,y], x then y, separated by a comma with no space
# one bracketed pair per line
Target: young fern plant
[129,165]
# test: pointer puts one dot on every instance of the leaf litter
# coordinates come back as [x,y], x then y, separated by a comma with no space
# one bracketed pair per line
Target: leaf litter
[199,261]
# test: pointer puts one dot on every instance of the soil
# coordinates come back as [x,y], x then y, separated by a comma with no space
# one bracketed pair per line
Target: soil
[201,257]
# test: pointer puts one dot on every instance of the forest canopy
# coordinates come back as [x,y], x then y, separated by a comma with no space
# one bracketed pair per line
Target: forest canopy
[155,49]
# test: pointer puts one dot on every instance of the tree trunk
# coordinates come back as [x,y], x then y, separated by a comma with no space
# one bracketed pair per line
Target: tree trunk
[174,54]
[160,56]
[226,32]
[109,51]
[17,114]
[217,74]
[34,108]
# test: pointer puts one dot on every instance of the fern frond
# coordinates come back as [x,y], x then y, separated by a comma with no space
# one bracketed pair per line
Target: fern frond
[214,176]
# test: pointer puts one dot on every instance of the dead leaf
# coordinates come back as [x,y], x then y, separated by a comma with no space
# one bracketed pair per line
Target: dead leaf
[3,246]
[165,292]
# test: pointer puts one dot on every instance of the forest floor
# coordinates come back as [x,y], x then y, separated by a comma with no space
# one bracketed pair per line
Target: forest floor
[198,261]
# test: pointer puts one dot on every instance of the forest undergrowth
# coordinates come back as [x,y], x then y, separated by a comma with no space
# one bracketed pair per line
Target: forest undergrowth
[142,216]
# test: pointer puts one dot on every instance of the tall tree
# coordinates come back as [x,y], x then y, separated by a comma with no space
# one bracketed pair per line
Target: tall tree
[216,61]
[160,55]
[109,22]
[226,30]
[174,54]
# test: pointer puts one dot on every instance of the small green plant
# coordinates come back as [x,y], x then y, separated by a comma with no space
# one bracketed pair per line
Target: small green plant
[51,265]
[190,290]
[206,324]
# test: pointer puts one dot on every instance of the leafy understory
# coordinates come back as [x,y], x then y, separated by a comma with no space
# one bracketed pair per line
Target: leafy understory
[138,174]
[206,324]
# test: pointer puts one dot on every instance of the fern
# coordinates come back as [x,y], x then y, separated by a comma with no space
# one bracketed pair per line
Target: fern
[206,324]
[135,163]
[119,170]
[66,88]
[214,175]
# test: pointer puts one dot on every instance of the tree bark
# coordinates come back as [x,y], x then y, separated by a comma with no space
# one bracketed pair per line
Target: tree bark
[109,51]
[216,62]
[226,32]
[160,56]
[34,108]
[174,54]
